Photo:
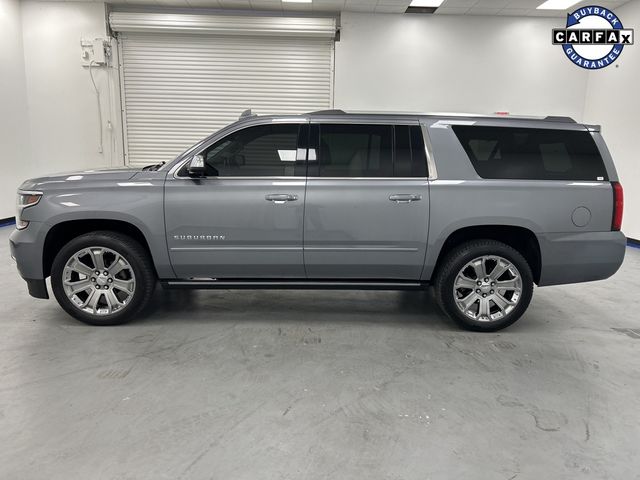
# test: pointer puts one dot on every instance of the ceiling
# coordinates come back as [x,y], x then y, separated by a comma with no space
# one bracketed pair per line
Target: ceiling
[449,7]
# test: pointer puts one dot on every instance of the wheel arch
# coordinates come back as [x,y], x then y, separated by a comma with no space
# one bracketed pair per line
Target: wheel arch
[520,238]
[61,233]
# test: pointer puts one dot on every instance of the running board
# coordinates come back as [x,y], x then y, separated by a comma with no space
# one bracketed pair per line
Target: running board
[295,284]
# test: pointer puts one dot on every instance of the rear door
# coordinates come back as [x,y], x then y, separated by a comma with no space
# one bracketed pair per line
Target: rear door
[244,219]
[367,202]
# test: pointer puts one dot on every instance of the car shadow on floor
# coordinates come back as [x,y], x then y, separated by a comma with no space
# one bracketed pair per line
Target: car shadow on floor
[392,307]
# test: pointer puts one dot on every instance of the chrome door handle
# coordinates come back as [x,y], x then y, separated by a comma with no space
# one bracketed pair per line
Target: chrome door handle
[280,197]
[405,197]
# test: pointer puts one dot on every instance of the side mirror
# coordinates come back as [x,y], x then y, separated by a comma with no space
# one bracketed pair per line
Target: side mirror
[196,166]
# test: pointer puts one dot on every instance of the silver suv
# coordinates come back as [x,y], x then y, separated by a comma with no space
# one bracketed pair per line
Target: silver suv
[479,207]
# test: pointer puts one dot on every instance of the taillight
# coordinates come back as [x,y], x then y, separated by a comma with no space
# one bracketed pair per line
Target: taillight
[618,206]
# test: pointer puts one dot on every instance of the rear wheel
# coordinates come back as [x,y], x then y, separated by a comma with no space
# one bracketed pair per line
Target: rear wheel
[103,278]
[484,285]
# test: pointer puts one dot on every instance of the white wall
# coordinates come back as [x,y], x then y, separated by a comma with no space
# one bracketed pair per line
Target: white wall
[613,100]
[444,63]
[63,111]
[14,127]
[48,108]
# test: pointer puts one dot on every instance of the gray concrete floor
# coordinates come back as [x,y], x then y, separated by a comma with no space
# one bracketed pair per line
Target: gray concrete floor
[314,385]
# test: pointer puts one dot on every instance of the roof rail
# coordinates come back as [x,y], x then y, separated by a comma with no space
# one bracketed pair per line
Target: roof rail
[552,118]
[328,112]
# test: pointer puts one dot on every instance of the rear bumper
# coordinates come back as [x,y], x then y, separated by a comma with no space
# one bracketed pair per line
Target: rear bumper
[26,249]
[580,257]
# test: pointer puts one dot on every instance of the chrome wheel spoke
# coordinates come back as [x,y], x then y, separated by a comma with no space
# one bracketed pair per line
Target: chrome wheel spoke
[464,282]
[501,302]
[508,284]
[470,300]
[77,287]
[112,299]
[79,267]
[479,268]
[499,270]
[483,309]
[92,301]
[119,265]
[126,286]
[97,257]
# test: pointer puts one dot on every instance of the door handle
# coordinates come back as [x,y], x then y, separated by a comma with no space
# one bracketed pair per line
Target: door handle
[405,197]
[280,197]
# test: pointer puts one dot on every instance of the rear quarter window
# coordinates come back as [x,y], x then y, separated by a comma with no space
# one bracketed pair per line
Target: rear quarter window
[531,153]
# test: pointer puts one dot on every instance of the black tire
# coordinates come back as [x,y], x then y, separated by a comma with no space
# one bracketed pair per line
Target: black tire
[454,262]
[137,257]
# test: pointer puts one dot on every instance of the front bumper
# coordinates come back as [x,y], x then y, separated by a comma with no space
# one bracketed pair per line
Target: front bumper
[27,247]
[580,257]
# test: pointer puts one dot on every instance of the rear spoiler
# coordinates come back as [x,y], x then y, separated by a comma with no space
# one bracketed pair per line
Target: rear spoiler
[594,128]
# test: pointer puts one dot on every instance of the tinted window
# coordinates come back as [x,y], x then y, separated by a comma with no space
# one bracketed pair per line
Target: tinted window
[409,159]
[418,154]
[368,151]
[531,153]
[264,150]
[402,161]
[355,151]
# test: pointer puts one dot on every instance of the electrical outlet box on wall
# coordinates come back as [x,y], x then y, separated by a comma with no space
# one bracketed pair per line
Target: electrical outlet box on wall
[94,52]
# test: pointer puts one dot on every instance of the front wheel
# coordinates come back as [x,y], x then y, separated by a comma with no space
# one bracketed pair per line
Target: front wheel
[103,278]
[484,285]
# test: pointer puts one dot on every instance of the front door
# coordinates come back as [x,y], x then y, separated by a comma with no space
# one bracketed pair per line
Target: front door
[367,204]
[245,218]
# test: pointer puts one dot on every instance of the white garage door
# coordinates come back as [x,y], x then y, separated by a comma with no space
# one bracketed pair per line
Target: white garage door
[180,84]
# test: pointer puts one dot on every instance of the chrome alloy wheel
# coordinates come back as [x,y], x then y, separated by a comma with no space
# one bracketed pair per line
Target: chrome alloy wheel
[487,288]
[99,281]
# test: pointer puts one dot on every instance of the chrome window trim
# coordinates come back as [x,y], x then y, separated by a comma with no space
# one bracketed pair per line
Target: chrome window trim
[424,179]
[302,177]
[431,164]
[297,178]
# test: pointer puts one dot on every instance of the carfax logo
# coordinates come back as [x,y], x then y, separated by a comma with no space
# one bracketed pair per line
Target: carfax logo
[594,37]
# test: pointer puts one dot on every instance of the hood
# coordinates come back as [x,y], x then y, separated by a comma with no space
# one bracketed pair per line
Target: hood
[62,180]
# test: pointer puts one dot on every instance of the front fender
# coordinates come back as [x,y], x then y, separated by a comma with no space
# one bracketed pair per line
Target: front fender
[138,203]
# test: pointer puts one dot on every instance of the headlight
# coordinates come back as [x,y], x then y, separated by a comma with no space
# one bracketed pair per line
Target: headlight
[25,199]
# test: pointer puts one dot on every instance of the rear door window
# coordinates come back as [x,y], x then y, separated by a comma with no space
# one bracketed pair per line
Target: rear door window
[531,153]
[410,159]
[370,151]
[356,150]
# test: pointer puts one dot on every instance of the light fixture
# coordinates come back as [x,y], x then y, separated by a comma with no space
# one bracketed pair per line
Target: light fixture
[297,1]
[423,6]
[426,3]
[557,4]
